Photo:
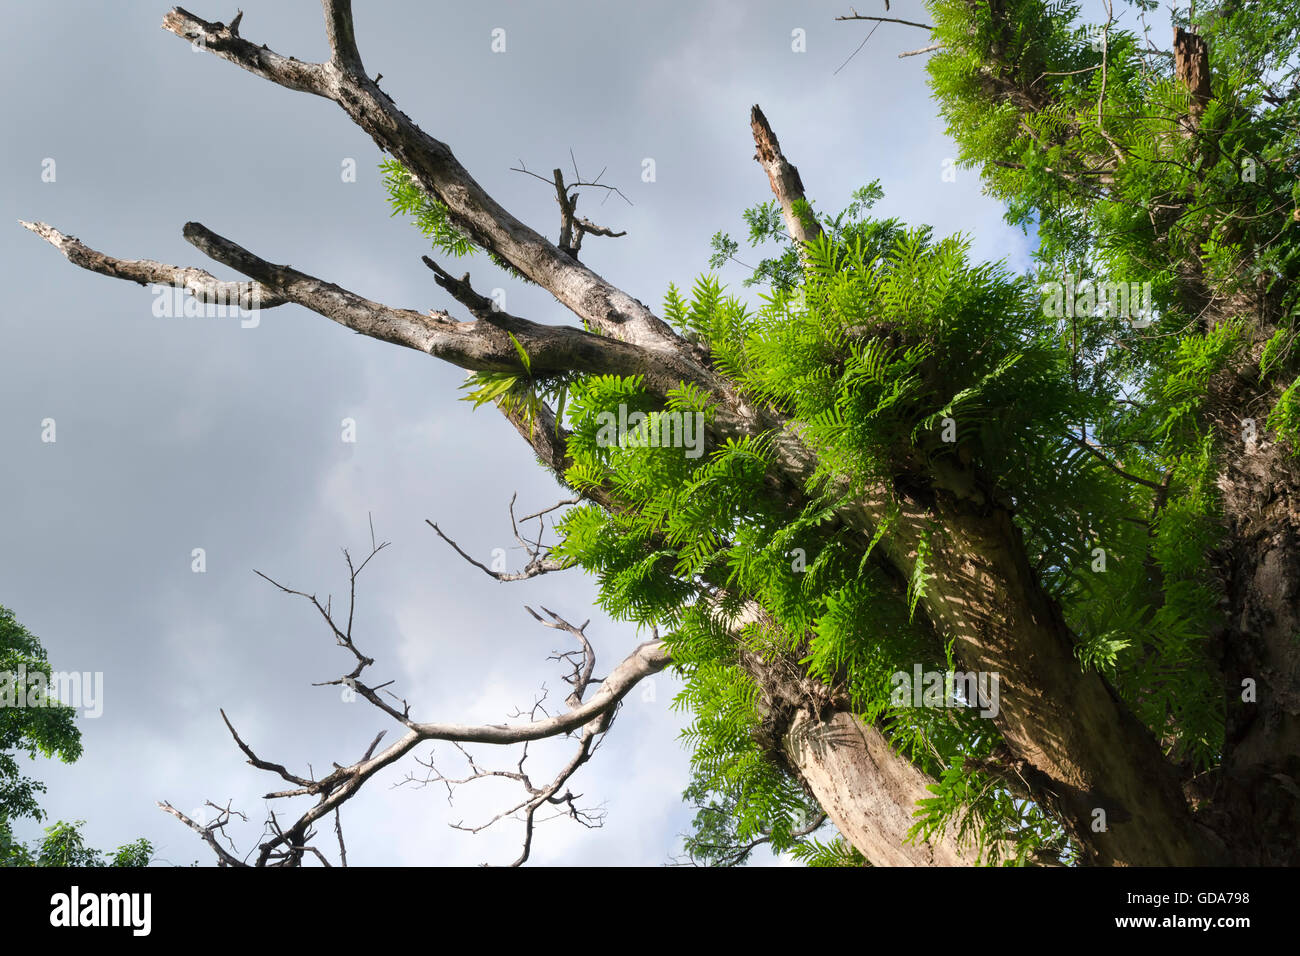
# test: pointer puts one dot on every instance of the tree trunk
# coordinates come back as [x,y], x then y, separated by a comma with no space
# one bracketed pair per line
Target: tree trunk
[1256,794]
[869,791]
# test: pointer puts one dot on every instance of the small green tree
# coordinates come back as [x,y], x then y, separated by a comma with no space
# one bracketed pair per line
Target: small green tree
[50,731]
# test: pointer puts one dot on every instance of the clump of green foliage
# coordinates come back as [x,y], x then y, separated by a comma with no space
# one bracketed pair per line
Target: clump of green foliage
[49,731]
[1083,129]
[430,216]
[885,334]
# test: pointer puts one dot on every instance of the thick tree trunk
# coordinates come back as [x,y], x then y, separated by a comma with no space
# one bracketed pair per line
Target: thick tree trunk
[1252,801]
[1256,794]
[868,790]
[1254,797]
[1078,744]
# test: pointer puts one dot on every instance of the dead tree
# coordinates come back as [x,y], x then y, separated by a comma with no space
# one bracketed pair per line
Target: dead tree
[1072,741]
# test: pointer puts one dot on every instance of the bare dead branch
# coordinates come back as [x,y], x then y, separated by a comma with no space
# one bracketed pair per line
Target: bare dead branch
[557,505]
[263,764]
[586,226]
[854,15]
[539,560]
[226,43]
[208,832]
[856,50]
[477,346]
[783,177]
[925,49]
[480,306]
[535,567]
[342,37]
[538,797]
[599,303]
[204,286]
[578,182]
[586,664]
[287,846]
[572,226]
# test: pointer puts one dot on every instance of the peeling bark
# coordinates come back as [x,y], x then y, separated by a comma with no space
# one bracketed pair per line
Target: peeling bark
[867,790]
[1192,70]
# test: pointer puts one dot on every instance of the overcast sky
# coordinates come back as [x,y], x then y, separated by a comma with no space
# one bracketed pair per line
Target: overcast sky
[175,434]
